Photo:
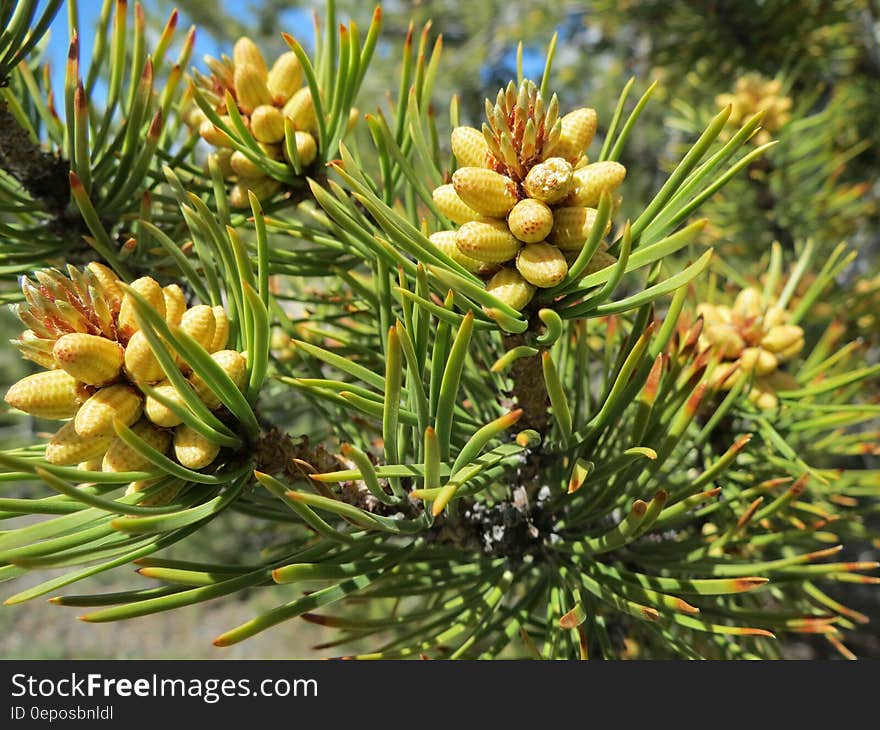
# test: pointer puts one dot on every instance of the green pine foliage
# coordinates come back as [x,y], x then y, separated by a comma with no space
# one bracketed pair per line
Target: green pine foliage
[663,452]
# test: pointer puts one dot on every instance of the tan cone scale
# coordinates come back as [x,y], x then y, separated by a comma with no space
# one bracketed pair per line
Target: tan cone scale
[524,196]
[101,379]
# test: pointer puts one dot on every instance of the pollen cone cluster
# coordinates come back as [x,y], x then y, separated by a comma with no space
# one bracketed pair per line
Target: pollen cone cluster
[83,330]
[524,195]
[755,336]
[754,93]
[264,97]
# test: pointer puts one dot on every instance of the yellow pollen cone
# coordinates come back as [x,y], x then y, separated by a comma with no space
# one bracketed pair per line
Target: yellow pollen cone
[96,416]
[221,329]
[530,220]
[198,323]
[91,359]
[445,242]
[549,181]
[487,192]
[541,264]
[150,290]
[489,240]
[588,183]
[509,286]
[192,449]
[572,226]
[301,110]
[452,206]
[141,363]
[175,303]
[250,88]
[246,53]
[469,147]
[233,364]
[267,124]
[159,413]
[285,77]
[121,457]
[67,447]
[50,394]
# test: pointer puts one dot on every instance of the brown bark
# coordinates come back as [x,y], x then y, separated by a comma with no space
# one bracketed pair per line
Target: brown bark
[43,175]
[528,387]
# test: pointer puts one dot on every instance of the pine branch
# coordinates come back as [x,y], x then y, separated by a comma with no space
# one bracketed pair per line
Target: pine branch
[43,175]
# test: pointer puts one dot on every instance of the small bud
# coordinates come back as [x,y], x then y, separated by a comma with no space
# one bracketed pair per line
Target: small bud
[578,130]
[272,151]
[150,290]
[250,88]
[541,264]
[108,283]
[509,286]
[784,340]
[175,303]
[354,116]
[194,117]
[445,242]
[588,183]
[267,124]
[572,226]
[263,188]
[96,416]
[243,166]
[757,360]
[121,457]
[490,241]
[91,359]
[212,135]
[487,192]
[192,449]
[469,147]
[774,316]
[50,394]
[452,206]
[246,53]
[285,77]
[549,181]
[301,110]
[749,303]
[306,148]
[141,363]
[715,313]
[530,220]
[765,400]
[221,158]
[724,339]
[67,447]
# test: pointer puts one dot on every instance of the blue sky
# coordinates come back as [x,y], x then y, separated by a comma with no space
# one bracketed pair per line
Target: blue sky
[89,12]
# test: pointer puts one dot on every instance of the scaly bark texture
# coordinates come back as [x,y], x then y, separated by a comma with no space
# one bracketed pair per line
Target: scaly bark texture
[528,387]
[44,176]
